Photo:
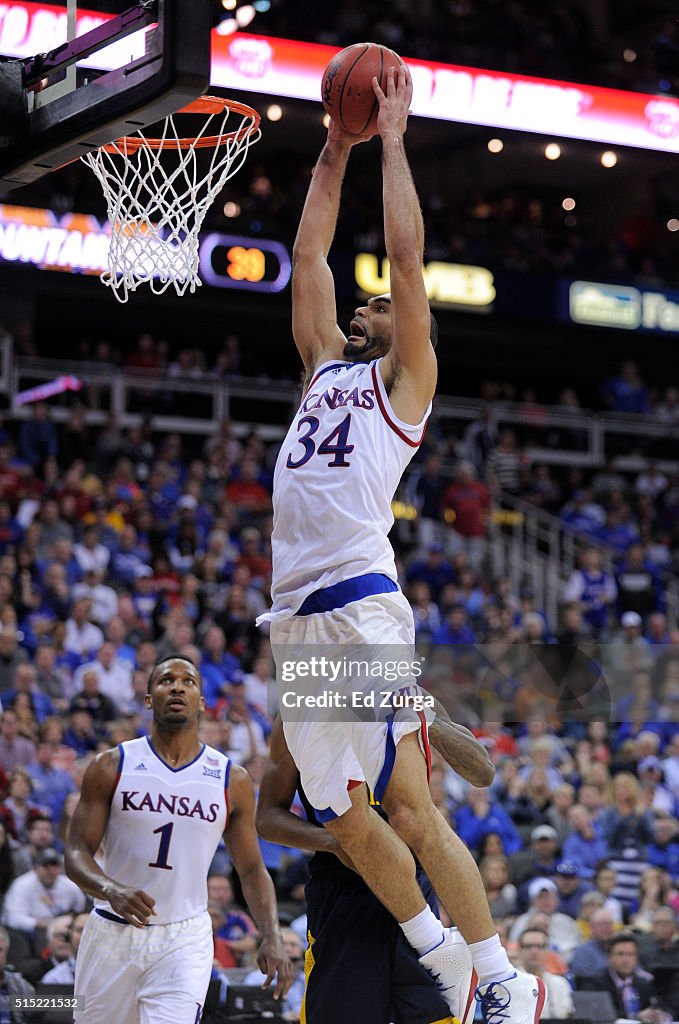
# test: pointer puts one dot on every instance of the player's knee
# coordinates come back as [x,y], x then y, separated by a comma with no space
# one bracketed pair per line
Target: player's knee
[407,820]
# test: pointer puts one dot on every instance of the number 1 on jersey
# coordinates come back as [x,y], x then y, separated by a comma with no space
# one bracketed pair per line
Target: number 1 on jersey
[164,846]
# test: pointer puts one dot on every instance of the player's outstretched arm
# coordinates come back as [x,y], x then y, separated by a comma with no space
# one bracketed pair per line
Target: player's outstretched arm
[314,310]
[275,821]
[411,349]
[461,749]
[241,842]
[84,838]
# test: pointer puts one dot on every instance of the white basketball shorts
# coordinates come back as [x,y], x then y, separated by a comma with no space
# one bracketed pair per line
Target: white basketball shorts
[153,975]
[344,746]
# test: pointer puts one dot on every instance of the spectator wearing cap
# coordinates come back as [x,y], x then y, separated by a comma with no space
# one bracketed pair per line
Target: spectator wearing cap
[544,841]
[482,814]
[533,947]
[564,934]
[41,894]
[628,651]
[15,750]
[591,958]
[654,794]
[585,845]
[571,887]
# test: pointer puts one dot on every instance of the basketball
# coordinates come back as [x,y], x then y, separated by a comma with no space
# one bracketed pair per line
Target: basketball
[347,90]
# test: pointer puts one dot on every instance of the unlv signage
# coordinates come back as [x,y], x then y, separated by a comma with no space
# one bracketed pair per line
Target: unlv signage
[448,284]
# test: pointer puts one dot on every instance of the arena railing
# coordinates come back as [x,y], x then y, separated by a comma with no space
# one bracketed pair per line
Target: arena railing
[546,434]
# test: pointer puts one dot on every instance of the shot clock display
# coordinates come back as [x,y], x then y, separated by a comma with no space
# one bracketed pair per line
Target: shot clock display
[230,261]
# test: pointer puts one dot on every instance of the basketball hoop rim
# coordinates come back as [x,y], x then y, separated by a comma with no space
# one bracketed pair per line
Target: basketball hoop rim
[209,105]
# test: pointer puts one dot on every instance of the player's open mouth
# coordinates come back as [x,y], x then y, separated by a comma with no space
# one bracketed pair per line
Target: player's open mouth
[357,331]
[176,703]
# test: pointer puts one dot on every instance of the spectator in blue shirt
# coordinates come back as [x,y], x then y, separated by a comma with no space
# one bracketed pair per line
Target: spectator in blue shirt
[218,668]
[38,437]
[51,785]
[128,561]
[455,629]
[434,570]
[585,846]
[626,392]
[663,852]
[481,815]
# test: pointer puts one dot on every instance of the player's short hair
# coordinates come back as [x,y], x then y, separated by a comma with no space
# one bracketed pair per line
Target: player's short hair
[169,657]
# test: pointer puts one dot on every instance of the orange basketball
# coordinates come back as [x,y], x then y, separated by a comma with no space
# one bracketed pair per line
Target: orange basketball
[347,90]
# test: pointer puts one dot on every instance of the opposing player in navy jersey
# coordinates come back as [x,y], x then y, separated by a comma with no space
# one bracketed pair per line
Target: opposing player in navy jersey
[158,807]
[351,935]
[334,582]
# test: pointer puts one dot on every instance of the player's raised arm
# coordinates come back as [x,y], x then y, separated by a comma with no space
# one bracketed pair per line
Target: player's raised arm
[314,311]
[241,842]
[275,820]
[84,838]
[411,349]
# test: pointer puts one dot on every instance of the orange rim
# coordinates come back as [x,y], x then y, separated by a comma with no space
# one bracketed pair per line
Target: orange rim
[203,105]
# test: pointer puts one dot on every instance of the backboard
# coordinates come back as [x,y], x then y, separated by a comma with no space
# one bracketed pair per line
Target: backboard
[109,72]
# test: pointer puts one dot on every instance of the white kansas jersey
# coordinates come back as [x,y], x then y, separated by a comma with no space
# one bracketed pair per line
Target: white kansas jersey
[335,478]
[164,827]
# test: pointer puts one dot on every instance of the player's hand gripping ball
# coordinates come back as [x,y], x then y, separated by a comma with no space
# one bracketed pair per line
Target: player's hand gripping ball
[347,88]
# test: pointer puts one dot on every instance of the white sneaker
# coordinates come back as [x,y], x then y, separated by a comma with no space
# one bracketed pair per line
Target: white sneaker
[518,1000]
[450,965]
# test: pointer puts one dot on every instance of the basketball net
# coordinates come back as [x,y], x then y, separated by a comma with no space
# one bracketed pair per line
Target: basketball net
[156,204]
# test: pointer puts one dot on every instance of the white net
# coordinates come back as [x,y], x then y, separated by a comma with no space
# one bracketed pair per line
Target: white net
[158,191]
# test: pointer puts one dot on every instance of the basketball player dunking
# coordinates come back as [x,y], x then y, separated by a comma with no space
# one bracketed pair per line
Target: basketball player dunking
[361,419]
[158,807]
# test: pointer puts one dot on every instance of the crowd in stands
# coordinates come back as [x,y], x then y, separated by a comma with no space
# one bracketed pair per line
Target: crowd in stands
[566,39]
[118,547]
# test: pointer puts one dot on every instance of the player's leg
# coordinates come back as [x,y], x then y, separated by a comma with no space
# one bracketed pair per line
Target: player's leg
[177,972]
[107,973]
[457,883]
[349,960]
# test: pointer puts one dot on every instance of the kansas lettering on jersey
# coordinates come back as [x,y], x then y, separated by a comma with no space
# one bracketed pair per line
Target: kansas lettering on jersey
[164,827]
[335,477]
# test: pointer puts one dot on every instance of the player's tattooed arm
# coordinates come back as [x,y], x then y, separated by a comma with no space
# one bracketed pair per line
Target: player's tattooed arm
[243,847]
[84,838]
[275,821]
[461,749]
